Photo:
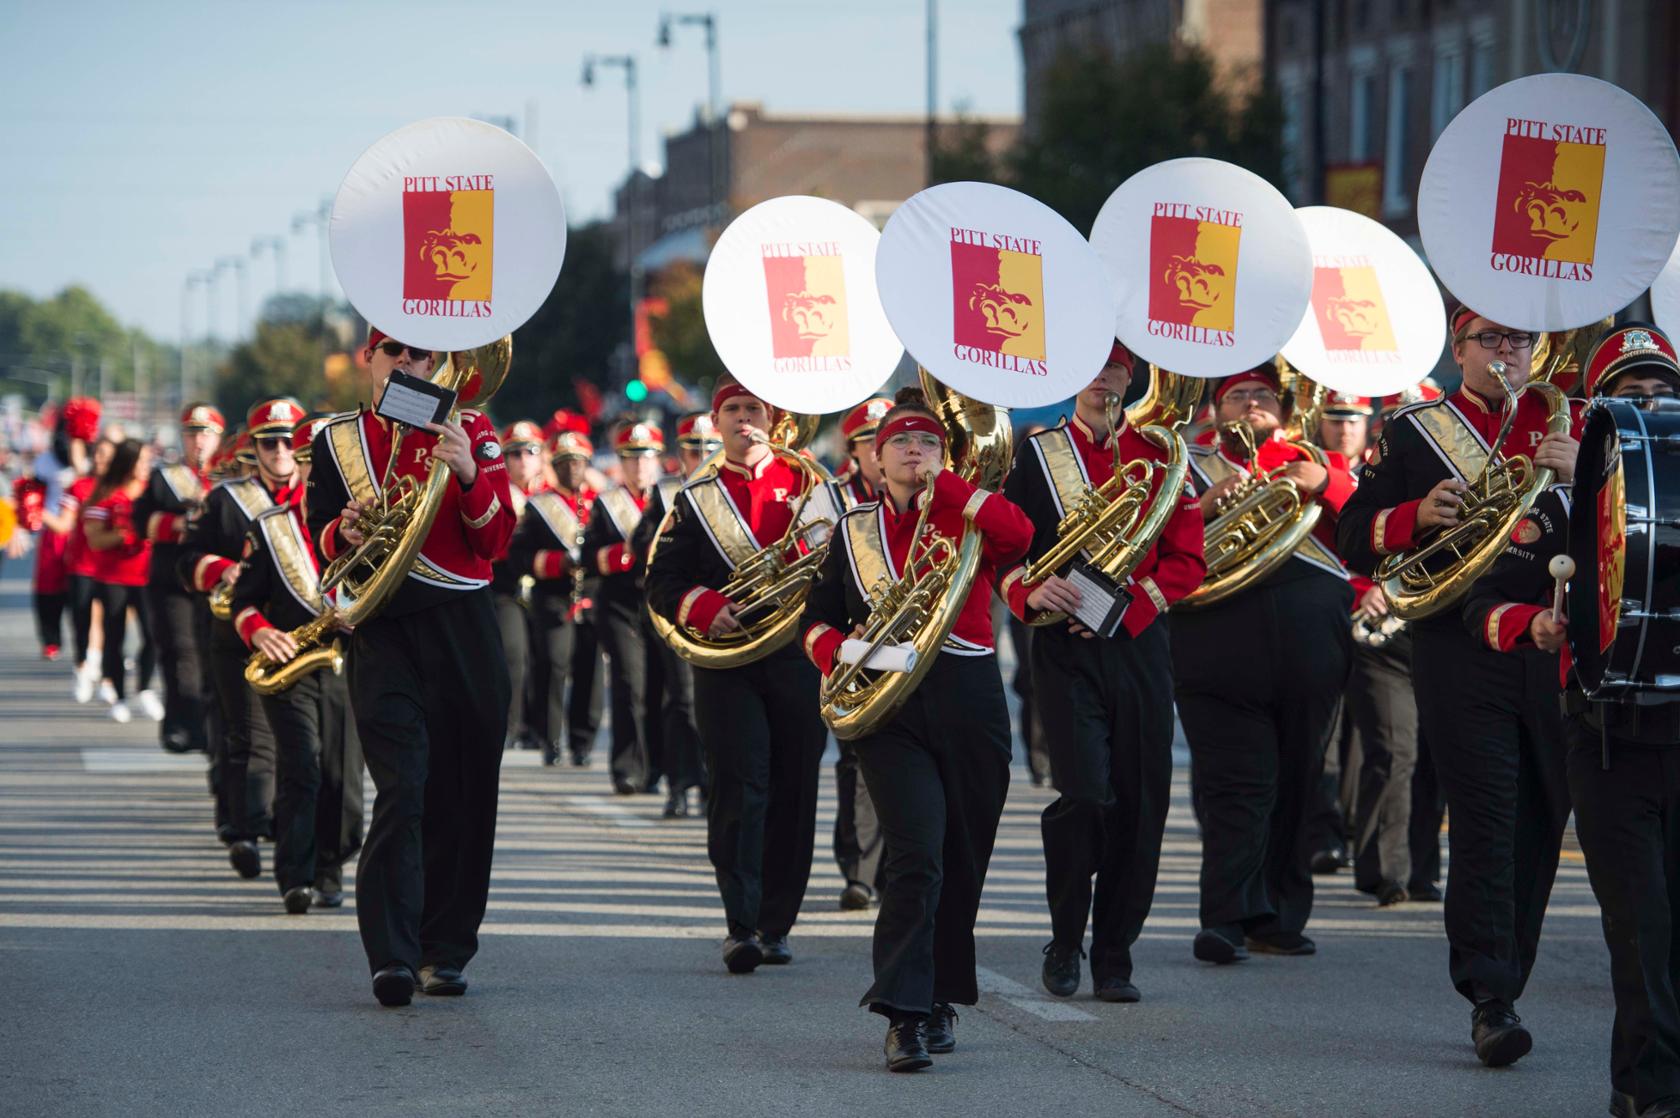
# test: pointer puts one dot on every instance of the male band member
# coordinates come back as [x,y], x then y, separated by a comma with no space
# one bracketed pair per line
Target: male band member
[522,450]
[618,609]
[1496,753]
[180,620]
[697,440]
[547,548]
[1109,731]
[759,723]
[428,683]
[209,558]
[858,842]
[318,762]
[1259,678]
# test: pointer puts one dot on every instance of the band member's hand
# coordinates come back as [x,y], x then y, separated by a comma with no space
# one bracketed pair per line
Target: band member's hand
[276,644]
[1559,453]
[348,520]
[1216,493]
[723,623]
[18,546]
[1547,631]
[1440,508]
[1373,604]
[1054,595]
[857,631]
[1310,476]
[454,449]
[230,575]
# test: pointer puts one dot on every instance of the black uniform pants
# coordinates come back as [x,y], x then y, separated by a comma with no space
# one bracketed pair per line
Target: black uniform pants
[1628,820]
[1032,727]
[587,700]
[1497,738]
[430,694]
[858,841]
[115,602]
[82,592]
[620,630]
[186,667]
[1429,809]
[1259,680]
[49,618]
[679,737]
[513,622]
[561,651]
[247,776]
[318,782]
[1109,727]
[763,738]
[1382,712]
[938,773]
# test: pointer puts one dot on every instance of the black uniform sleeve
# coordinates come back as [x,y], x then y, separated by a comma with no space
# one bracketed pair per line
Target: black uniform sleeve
[326,497]
[255,585]
[642,538]
[826,603]
[675,570]
[1501,604]
[216,532]
[530,536]
[154,499]
[598,533]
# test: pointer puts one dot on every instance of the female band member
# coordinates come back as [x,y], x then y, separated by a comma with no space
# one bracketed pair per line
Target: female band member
[122,557]
[938,771]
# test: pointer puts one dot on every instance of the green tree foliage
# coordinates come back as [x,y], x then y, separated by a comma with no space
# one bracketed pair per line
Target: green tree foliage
[962,152]
[282,359]
[1104,119]
[48,334]
[680,333]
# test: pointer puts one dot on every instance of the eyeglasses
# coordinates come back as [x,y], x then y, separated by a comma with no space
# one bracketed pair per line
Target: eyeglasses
[526,451]
[271,442]
[1489,339]
[906,439]
[1257,395]
[395,349]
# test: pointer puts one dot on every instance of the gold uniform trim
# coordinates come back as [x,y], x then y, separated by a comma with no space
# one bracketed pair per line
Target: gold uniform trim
[622,511]
[292,559]
[972,508]
[818,631]
[687,604]
[183,483]
[1493,619]
[1457,441]
[478,522]
[250,495]
[722,521]
[559,517]
[1154,592]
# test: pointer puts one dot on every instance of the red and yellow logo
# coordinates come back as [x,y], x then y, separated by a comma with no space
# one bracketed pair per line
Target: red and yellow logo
[1352,315]
[448,244]
[997,295]
[806,287]
[1612,557]
[1551,180]
[1193,272]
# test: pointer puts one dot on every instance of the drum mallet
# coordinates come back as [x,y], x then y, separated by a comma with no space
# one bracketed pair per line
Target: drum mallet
[1562,569]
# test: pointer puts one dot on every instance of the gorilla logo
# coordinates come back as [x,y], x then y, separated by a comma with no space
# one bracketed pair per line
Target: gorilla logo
[1553,212]
[1007,314]
[453,257]
[1358,318]
[1199,286]
[809,313]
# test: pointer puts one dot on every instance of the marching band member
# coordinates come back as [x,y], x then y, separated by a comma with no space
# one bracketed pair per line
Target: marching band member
[547,547]
[55,470]
[939,770]
[759,723]
[857,833]
[209,558]
[1258,678]
[318,761]
[180,620]
[522,450]
[83,591]
[121,554]
[1109,731]
[1496,753]
[618,607]
[697,440]
[428,684]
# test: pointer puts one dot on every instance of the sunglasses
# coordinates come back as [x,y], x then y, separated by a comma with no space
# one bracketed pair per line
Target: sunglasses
[271,442]
[395,349]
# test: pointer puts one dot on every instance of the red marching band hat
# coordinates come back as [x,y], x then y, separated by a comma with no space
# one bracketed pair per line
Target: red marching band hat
[303,435]
[563,420]
[202,417]
[1119,355]
[279,416]
[638,438]
[696,430]
[861,421]
[522,432]
[570,444]
[1346,405]
[1634,348]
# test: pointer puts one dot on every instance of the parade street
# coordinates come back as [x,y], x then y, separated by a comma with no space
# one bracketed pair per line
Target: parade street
[144,978]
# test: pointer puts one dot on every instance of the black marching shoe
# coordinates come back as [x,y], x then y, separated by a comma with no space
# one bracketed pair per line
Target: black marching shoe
[393,985]
[224,833]
[906,1045]
[244,857]
[1061,969]
[1622,1105]
[440,980]
[941,1031]
[1214,946]
[297,900]
[1281,943]
[327,898]
[676,805]
[1426,891]
[1391,893]
[624,788]
[742,954]
[550,755]
[775,950]
[1662,1108]
[856,897]
[580,760]
[1329,861]
[1498,1034]
[1117,989]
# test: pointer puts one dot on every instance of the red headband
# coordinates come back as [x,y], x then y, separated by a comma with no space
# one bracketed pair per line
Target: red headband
[1119,355]
[729,391]
[375,336]
[910,421]
[1264,374]
[1461,316]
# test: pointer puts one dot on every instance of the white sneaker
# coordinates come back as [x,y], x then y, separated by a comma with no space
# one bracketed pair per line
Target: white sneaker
[151,704]
[107,692]
[119,712]
[85,682]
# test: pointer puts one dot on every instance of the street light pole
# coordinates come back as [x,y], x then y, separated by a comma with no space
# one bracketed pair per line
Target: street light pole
[191,282]
[277,246]
[632,191]
[931,141]
[237,265]
[714,101]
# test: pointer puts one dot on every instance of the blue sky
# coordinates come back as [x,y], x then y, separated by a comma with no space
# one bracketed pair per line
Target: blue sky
[143,141]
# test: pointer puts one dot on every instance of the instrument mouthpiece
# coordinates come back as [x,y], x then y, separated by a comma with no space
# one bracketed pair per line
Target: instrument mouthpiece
[1498,368]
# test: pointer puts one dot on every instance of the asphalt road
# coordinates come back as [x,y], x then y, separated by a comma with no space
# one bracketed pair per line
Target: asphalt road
[143,978]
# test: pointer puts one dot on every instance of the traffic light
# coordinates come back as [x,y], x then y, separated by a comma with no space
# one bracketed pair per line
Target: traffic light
[636,391]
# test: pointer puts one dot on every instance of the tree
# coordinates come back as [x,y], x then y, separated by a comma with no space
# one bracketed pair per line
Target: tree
[75,327]
[680,333]
[282,359]
[1105,119]
[962,152]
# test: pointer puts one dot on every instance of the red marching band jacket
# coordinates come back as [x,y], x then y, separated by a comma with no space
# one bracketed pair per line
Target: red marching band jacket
[1005,532]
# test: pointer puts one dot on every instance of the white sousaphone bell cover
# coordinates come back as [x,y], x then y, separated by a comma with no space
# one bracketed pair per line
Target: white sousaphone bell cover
[995,294]
[791,307]
[1375,323]
[1665,294]
[1550,202]
[447,233]
[1209,263]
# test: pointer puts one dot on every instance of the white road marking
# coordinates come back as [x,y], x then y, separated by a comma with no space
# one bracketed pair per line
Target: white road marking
[140,761]
[615,814]
[1042,1006]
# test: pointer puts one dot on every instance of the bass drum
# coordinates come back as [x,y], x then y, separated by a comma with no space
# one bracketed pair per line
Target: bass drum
[1624,535]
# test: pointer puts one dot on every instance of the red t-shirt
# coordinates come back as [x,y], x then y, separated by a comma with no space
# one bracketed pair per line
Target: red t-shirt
[78,556]
[129,562]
